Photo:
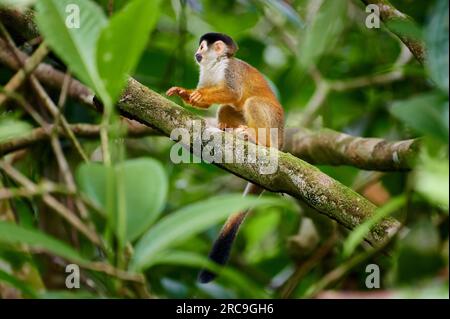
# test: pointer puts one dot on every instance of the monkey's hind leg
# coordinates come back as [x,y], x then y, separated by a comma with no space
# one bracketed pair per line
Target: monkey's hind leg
[265,120]
[228,117]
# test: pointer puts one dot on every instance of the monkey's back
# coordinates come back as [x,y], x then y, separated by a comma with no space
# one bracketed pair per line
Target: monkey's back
[253,87]
[250,80]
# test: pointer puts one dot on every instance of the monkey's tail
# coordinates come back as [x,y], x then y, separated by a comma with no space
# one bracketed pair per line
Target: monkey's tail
[221,249]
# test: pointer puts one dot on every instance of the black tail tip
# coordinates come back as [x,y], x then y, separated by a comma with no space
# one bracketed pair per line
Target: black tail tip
[206,276]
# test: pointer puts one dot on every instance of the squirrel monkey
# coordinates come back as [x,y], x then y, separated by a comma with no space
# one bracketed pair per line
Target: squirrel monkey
[247,104]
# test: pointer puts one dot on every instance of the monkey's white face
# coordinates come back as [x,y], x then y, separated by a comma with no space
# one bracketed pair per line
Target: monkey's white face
[208,55]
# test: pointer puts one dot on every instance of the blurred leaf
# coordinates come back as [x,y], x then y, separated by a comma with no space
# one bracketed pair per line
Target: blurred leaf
[260,235]
[146,188]
[75,46]
[405,27]
[67,295]
[10,128]
[429,290]
[427,114]
[122,42]
[16,283]
[233,24]
[418,254]
[432,180]
[199,261]
[324,31]
[92,179]
[19,4]
[284,9]
[436,36]
[144,185]
[189,221]
[196,5]
[357,235]
[14,234]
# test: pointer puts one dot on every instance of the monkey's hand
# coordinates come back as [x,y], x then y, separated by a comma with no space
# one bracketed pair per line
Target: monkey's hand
[196,98]
[181,92]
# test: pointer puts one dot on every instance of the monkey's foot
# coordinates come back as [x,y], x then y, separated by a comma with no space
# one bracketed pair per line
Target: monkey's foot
[242,132]
[223,126]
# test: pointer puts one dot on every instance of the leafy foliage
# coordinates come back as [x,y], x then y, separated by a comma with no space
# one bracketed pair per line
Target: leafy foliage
[158,219]
[144,186]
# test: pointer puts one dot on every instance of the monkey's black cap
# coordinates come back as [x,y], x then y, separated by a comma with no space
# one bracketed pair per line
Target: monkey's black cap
[212,37]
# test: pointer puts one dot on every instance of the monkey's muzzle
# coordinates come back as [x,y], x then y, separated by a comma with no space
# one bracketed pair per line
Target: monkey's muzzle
[198,57]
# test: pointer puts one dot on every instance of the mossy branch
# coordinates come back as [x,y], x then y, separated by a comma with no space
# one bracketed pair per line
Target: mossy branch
[329,147]
[294,176]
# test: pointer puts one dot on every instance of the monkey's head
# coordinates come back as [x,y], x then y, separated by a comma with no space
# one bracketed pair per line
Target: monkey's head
[213,46]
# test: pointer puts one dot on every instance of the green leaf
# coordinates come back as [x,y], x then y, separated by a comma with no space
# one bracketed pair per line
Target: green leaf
[198,261]
[285,10]
[10,128]
[19,4]
[360,232]
[427,114]
[418,255]
[19,284]
[234,24]
[321,36]
[74,44]
[189,221]
[405,27]
[122,42]
[436,36]
[64,294]
[14,234]
[92,178]
[432,180]
[144,189]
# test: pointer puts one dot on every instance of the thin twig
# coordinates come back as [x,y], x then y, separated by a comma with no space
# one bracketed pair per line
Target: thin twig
[41,189]
[50,201]
[325,86]
[289,286]
[336,274]
[47,101]
[30,65]
[110,7]
[56,145]
[81,130]
[43,95]
[47,74]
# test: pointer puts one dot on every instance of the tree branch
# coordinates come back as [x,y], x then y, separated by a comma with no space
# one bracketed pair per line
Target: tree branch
[294,176]
[325,147]
[389,13]
[329,147]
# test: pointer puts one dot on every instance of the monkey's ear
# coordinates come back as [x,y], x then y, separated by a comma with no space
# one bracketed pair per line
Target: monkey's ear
[219,47]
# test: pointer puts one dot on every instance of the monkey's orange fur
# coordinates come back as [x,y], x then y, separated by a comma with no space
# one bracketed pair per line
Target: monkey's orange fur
[247,103]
